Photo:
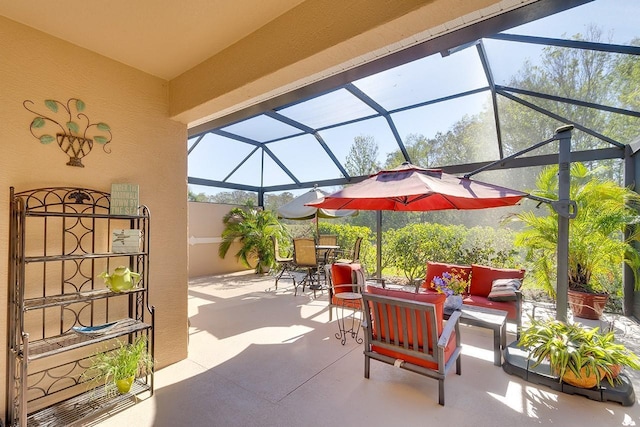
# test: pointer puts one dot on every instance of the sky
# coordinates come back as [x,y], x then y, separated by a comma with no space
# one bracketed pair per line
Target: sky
[428,78]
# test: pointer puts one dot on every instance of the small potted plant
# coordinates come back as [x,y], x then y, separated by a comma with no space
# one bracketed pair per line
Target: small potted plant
[452,285]
[578,356]
[119,367]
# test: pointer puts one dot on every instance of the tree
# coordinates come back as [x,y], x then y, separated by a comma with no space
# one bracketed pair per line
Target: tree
[580,74]
[253,228]
[363,156]
[419,149]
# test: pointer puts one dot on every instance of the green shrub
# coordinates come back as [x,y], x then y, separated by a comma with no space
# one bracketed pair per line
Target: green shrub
[347,235]
[413,245]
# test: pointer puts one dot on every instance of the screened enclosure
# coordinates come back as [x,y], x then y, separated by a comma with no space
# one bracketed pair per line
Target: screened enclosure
[455,109]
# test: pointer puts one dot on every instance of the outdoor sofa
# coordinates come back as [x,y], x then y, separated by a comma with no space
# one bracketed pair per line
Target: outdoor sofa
[497,288]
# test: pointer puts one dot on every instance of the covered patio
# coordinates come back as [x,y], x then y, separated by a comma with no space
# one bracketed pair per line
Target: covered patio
[263,357]
[174,79]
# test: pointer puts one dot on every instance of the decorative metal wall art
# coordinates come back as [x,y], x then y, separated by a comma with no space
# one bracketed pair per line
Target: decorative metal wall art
[69,127]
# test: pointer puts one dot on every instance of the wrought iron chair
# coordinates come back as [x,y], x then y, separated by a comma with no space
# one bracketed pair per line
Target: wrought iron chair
[347,277]
[285,264]
[326,255]
[305,256]
[352,255]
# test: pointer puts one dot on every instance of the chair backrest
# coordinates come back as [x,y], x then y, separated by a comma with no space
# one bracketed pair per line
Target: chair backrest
[356,249]
[328,239]
[276,250]
[304,252]
[400,322]
[346,274]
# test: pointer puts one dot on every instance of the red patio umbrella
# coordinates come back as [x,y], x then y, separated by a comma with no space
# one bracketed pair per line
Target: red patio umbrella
[411,188]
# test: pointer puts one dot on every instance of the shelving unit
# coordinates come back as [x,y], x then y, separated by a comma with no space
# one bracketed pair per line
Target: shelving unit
[60,240]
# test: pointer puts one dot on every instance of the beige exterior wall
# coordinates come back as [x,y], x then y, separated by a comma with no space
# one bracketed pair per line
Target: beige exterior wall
[205,229]
[147,148]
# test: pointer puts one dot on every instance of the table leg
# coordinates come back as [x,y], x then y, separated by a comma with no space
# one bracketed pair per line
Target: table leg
[342,329]
[497,342]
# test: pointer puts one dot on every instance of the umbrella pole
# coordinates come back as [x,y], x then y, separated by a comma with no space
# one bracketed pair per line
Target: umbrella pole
[379,244]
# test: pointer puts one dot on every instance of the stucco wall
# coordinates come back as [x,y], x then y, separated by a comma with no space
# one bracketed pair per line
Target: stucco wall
[205,229]
[147,148]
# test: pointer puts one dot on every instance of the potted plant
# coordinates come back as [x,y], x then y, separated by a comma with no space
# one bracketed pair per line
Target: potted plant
[597,245]
[578,356]
[452,285]
[119,367]
[254,228]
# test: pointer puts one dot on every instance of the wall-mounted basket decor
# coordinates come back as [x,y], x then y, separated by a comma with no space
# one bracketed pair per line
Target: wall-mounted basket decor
[69,127]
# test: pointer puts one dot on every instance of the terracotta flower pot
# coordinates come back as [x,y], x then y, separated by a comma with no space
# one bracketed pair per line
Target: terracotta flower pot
[585,381]
[587,305]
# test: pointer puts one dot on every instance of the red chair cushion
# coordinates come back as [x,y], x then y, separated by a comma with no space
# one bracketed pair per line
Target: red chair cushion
[343,274]
[436,299]
[448,351]
[482,278]
[435,269]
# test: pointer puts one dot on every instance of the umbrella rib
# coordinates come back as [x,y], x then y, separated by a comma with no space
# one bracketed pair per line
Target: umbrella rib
[404,200]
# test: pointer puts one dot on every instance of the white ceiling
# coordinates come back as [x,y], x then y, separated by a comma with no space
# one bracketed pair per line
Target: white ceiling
[161,37]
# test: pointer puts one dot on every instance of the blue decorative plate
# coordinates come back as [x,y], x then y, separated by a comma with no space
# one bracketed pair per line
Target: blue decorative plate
[94,330]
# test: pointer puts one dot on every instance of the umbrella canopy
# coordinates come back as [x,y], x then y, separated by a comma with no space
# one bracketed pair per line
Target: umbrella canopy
[411,188]
[298,209]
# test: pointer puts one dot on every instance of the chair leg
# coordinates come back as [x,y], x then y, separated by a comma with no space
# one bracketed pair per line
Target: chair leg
[459,365]
[367,366]
[441,392]
[279,275]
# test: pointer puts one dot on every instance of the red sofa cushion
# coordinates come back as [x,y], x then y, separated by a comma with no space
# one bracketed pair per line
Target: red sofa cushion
[509,306]
[435,269]
[482,278]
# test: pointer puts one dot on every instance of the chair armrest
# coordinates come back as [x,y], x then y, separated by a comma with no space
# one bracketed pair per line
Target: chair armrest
[353,287]
[449,327]
[376,279]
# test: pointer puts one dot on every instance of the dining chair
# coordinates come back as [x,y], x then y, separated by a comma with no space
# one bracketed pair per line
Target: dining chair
[326,255]
[285,264]
[351,255]
[305,256]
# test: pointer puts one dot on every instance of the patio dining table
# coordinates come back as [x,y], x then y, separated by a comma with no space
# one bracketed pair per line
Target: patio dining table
[327,252]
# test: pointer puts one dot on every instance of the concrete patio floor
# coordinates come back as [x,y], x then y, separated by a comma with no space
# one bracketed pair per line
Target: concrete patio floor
[261,357]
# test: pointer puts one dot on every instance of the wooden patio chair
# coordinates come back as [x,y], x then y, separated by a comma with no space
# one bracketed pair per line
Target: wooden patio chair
[409,334]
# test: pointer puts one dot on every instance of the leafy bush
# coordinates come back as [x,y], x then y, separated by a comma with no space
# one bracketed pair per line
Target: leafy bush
[347,235]
[490,246]
[413,245]
[408,249]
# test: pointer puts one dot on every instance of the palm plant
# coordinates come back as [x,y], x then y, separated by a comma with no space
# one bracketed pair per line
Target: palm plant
[579,356]
[597,244]
[253,228]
